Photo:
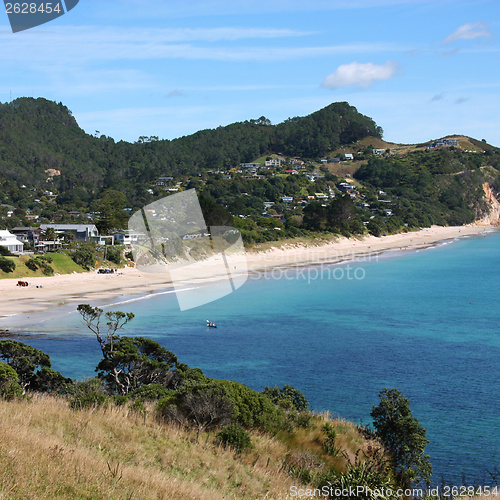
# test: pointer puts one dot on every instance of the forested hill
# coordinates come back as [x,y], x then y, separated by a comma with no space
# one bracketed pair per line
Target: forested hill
[37,135]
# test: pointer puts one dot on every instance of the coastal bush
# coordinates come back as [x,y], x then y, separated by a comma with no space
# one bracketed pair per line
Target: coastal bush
[201,406]
[150,392]
[41,262]
[235,437]
[84,256]
[88,394]
[252,409]
[287,397]
[6,265]
[114,255]
[30,364]
[32,264]
[329,442]
[9,383]
[5,251]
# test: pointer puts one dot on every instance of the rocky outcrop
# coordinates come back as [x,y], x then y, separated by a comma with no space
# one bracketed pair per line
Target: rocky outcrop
[493,215]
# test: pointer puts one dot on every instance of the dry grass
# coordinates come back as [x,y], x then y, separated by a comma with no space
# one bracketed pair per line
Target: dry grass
[48,450]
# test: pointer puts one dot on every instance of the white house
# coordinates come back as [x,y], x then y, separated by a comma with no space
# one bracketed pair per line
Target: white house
[9,241]
[127,237]
[348,156]
[274,162]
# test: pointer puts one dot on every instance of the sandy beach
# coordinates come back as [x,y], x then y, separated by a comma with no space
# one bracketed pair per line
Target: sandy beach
[52,292]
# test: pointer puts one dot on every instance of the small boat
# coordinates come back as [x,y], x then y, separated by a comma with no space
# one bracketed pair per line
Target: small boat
[211,324]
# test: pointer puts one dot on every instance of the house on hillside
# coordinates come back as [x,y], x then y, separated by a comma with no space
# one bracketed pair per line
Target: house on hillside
[274,162]
[9,241]
[82,232]
[348,156]
[27,234]
[127,237]
[378,151]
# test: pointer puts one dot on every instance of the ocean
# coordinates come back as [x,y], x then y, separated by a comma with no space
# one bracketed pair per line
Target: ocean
[425,322]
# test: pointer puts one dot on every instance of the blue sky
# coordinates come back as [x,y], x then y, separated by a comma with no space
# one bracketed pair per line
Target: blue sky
[421,69]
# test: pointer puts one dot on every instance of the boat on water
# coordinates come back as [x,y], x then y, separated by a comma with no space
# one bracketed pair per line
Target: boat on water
[211,324]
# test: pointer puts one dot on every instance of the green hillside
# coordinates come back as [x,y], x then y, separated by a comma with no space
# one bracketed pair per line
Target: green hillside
[329,179]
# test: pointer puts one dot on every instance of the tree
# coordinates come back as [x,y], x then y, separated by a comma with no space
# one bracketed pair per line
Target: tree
[84,256]
[110,206]
[9,382]
[403,436]
[32,366]
[50,234]
[128,363]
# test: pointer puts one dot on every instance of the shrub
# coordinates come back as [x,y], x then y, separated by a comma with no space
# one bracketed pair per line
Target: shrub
[252,409]
[88,394]
[150,392]
[9,382]
[287,398]
[329,442]
[114,255]
[84,256]
[236,437]
[41,262]
[32,264]
[5,251]
[6,265]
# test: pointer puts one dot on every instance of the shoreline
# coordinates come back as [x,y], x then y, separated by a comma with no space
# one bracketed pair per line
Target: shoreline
[57,293]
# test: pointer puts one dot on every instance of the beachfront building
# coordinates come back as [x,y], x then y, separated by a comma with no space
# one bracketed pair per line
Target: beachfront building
[127,237]
[82,232]
[27,234]
[10,242]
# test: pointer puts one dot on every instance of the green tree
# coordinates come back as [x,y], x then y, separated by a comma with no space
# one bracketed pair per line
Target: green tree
[127,363]
[110,207]
[403,436]
[287,397]
[9,382]
[84,256]
[32,366]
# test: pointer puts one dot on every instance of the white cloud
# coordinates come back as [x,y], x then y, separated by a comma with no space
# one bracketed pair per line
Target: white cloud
[360,75]
[469,31]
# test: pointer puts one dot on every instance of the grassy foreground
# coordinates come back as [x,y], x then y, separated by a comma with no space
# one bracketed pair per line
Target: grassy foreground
[48,450]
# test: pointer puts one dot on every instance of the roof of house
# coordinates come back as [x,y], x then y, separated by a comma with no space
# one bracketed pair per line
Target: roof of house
[70,227]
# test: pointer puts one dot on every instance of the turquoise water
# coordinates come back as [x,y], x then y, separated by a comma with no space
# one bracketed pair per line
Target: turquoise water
[426,323]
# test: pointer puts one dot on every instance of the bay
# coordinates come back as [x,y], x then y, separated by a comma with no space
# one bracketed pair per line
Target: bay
[424,322]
